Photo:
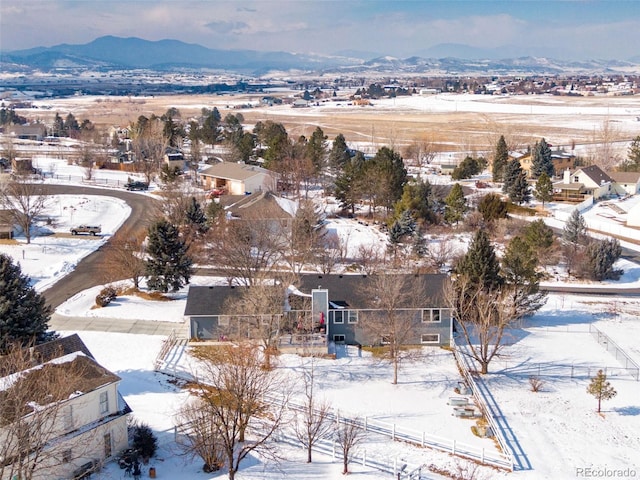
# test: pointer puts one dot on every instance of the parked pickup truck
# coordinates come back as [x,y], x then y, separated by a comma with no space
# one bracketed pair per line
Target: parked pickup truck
[90,229]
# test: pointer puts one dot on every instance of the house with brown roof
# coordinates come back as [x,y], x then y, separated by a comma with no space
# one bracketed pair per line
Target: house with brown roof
[71,406]
[584,182]
[626,183]
[561,161]
[238,178]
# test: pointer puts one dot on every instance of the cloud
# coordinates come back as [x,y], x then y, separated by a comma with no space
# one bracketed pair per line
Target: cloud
[236,28]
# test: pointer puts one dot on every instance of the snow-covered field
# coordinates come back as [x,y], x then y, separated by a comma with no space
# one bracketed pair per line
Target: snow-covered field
[557,430]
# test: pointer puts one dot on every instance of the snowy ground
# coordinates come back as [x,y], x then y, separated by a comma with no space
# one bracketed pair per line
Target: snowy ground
[557,429]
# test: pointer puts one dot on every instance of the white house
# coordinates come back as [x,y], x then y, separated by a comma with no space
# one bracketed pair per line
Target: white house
[238,178]
[626,183]
[83,424]
[589,180]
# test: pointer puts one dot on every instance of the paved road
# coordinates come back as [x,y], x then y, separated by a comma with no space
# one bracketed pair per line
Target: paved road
[89,272]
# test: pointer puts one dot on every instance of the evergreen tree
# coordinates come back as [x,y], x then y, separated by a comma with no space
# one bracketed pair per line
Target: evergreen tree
[468,168]
[419,246]
[168,264]
[389,169]
[24,316]
[417,197]
[195,216]
[347,184]
[601,256]
[339,154]
[492,207]
[480,264]
[455,205]
[403,227]
[316,149]
[632,163]
[544,189]
[601,388]
[500,159]
[512,171]
[519,270]
[58,126]
[575,230]
[539,236]
[541,161]
[519,191]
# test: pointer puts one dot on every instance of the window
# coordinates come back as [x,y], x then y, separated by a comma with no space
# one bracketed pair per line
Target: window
[66,456]
[430,338]
[104,402]
[337,316]
[338,338]
[431,316]
[107,445]
[352,316]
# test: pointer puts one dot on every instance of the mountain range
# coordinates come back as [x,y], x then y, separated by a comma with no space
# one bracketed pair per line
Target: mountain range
[116,53]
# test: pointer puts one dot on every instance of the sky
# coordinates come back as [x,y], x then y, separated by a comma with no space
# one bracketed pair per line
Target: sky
[578,29]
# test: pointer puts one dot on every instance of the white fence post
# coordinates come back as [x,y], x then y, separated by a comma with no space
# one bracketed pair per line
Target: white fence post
[453,447]
[393,432]
[365,423]
[422,443]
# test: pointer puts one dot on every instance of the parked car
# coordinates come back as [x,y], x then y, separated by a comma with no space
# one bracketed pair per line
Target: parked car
[90,229]
[137,186]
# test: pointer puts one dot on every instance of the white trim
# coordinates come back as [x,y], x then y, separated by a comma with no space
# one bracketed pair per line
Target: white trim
[423,341]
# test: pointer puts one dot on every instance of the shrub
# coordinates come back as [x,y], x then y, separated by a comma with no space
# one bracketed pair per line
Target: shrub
[106,296]
[536,383]
[144,440]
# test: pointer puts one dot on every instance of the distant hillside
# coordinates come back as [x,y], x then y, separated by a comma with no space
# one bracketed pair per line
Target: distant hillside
[109,52]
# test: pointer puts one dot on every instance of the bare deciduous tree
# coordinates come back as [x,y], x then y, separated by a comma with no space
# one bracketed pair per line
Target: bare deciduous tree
[200,438]
[246,248]
[369,258]
[397,304]
[236,393]
[348,435]
[25,198]
[124,259]
[483,315]
[312,422]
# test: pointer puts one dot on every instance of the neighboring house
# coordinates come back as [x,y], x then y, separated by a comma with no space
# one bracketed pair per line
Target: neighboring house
[626,183]
[238,178]
[89,424]
[37,131]
[7,224]
[561,161]
[174,158]
[261,206]
[584,182]
[334,306]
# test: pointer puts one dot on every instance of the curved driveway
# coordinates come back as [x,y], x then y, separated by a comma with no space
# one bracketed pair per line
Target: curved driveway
[88,272]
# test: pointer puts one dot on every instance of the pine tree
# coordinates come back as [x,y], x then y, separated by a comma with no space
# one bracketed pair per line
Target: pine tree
[601,256]
[601,388]
[402,227]
[347,190]
[419,246]
[455,205]
[195,216]
[168,264]
[541,161]
[512,171]
[500,159]
[24,316]
[519,191]
[539,236]
[339,154]
[519,270]
[575,230]
[316,149]
[492,207]
[544,189]
[480,264]
[389,167]
[632,163]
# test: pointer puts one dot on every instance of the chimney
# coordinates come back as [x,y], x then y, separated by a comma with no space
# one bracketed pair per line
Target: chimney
[566,178]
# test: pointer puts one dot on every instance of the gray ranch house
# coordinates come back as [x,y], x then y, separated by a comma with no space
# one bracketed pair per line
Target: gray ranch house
[323,309]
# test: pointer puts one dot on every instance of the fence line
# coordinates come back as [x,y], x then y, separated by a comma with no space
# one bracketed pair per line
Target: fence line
[612,347]
[484,407]
[417,437]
